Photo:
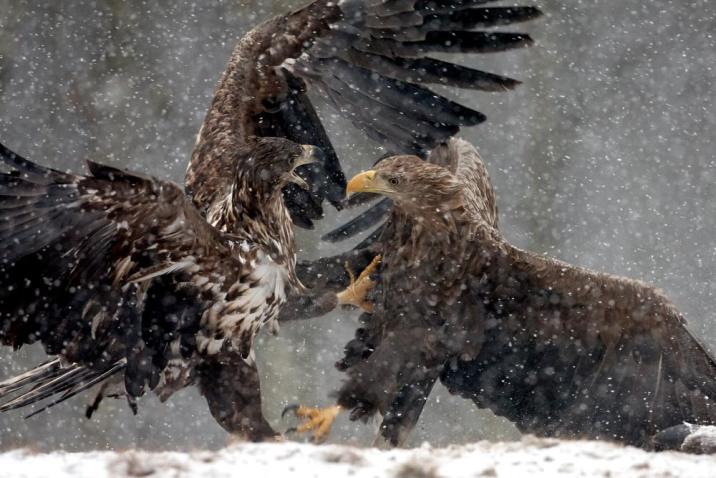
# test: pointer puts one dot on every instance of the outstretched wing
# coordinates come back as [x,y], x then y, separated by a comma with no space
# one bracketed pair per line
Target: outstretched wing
[371,60]
[112,271]
[572,353]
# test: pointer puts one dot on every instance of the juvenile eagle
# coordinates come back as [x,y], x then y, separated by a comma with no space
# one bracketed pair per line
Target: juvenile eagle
[559,350]
[119,273]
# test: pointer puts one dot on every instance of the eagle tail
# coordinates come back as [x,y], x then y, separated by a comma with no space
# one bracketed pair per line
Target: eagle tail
[51,379]
[37,374]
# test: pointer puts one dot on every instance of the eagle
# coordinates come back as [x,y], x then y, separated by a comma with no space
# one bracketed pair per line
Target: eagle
[559,350]
[118,274]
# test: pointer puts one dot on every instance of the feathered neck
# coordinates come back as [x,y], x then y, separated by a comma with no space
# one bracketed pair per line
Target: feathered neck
[447,230]
[259,217]
[438,215]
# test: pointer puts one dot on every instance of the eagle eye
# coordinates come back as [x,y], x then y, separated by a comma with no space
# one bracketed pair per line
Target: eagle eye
[394,181]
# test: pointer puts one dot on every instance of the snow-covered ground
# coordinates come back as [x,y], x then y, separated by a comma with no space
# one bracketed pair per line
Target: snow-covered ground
[531,457]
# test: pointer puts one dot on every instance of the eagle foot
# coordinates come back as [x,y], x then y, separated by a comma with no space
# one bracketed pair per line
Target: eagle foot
[318,420]
[355,294]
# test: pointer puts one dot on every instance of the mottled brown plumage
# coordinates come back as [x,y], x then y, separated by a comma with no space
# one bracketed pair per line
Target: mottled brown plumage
[558,350]
[116,272]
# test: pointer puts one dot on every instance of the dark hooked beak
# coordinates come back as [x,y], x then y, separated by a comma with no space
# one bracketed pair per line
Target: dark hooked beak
[311,155]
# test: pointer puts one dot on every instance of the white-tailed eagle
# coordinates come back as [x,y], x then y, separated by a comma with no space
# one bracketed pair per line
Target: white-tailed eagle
[560,351]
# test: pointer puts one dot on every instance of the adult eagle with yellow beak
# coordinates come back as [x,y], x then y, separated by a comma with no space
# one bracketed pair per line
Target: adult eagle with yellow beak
[559,350]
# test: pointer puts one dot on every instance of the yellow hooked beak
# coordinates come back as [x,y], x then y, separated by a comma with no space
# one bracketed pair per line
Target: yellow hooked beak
[363,183]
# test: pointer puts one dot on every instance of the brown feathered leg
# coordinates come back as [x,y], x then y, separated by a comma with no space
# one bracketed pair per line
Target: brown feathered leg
[233,391]
[324,278]
[355,294]
[403,414]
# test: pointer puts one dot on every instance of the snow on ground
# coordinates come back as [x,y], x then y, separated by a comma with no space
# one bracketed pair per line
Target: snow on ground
[531,457]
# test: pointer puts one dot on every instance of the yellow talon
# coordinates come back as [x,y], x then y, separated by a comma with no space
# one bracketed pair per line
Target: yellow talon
[355,294]
[318,420]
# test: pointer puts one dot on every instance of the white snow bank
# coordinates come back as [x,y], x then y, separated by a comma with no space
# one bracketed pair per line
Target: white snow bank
[530,457]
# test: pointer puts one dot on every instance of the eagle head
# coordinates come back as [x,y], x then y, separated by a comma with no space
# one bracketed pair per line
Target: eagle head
[413,184]
[271,163]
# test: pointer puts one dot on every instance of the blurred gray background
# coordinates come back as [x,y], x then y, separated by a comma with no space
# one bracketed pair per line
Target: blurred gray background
[605,157]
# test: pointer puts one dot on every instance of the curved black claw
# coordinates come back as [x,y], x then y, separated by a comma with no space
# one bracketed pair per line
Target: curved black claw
[317,421]
[292,407]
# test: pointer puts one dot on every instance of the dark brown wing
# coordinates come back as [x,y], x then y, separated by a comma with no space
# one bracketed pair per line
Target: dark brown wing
[371,59]
[100,270]
[572,353]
